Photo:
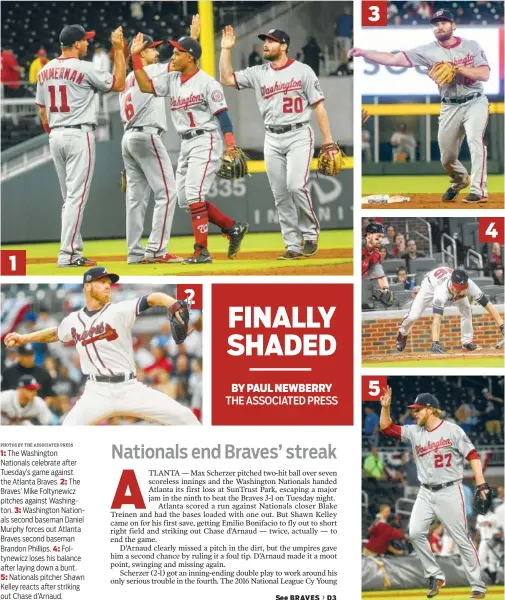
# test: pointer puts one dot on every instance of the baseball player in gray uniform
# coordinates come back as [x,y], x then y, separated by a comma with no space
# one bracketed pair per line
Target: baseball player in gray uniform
[147,164]
[464,109]
[199,110]
[22,405]
[445,286]
[68,102]
[440,449]
[102,335]
[287,93]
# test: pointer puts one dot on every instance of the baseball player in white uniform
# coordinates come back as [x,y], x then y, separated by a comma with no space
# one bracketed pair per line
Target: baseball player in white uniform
[465,108]
[440,449]
[490,544]
[445,286]
[22,405]
[147,164]
[287,93]
[199,110]
[68,103]
[102,335]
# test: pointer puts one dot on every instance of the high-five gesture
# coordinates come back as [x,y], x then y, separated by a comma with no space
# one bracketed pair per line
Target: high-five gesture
[386,397]
[138,44]
[194,30]
[117,38]
[228,38]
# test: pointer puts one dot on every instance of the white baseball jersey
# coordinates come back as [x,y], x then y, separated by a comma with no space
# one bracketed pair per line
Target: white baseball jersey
[139,109]
[13,413]
[103,338]
[464,53]
[439,454]
[487,525]
[439,280]
[284,95]
[194,101]
[67,88]
[500,516]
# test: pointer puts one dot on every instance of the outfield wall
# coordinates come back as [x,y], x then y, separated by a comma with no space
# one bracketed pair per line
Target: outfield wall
[380,328]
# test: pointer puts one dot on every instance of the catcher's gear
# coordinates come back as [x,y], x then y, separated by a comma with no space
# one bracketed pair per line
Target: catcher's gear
[482,504]
[179,327]
[328,163]
[123,181]
[233,164]
[437,348]
[385,296]
[443,73]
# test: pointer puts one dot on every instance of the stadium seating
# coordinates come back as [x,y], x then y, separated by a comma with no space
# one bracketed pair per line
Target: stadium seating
[391,265]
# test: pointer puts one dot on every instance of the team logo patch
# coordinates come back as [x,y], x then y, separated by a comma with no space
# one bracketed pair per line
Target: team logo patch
[438,13]
[317,85]
[217,96]
[271,30]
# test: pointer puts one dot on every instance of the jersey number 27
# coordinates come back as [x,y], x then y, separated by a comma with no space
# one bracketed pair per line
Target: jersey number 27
[443,460]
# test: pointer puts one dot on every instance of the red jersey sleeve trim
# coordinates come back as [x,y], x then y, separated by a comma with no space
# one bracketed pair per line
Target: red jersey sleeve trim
[219,111]
[394,431]
[41,105]
[472,455]
[113,83]
[236,84]
[316,103]
[410,62]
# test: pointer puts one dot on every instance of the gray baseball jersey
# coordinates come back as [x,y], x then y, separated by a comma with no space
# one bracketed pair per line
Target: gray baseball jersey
[284,95]
[465,53]
[142,110]
[439,454]
[194,101]
[67,87]
[439,280]
[13,413]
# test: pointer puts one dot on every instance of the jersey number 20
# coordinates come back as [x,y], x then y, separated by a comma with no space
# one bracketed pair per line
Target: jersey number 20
[443,460]
[290,105]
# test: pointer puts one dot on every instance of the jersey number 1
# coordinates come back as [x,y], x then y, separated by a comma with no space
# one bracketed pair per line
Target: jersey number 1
[64,107]
[439,460]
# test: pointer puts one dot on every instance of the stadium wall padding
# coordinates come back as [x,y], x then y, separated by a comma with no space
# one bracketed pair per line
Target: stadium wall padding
[379,331]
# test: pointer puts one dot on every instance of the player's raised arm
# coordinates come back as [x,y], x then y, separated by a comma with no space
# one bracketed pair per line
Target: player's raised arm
[389,59]
[195,27]
[228,39]
[47,336]
[144,82]
[385,417]
[160,299]
[119,70]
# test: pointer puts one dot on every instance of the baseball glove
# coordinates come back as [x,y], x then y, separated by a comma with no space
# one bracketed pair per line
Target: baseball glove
[481,504]
[233,164]
[330,160]
[123,181]
[178,316]
[443,73]
[385,297]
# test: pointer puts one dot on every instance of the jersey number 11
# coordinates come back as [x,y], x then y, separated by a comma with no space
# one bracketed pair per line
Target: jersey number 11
[64,107]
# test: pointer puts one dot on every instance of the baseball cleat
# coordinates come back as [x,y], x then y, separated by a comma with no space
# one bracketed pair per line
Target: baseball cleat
[166,258]
[474,199]
[471,347]
[450,195]
[401,342]
[82,261]
[478,595]
[235,235]
[290,255]
[309,247]
[199,257]
[435,585]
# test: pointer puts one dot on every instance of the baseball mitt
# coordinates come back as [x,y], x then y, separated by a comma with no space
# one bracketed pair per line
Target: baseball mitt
[385,297]
[330,160]
[233,164]
[123,181]
[178,316]
[443,73]
[482,504]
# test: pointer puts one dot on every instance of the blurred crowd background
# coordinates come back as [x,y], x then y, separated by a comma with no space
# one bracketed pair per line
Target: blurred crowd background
[161,364]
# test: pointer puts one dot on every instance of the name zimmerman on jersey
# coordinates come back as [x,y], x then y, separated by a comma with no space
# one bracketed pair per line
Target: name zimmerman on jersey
[66,73]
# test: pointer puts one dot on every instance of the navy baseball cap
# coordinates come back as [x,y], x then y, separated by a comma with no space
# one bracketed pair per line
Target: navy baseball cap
[26,350]
[150,43]
[96,273]
[442,15]
[29,382]
[459,280]
[74,33]
[187,44]
[425,400]
[277,35]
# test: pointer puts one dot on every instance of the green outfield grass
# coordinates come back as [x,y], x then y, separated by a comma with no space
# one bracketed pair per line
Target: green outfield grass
[183,246]
[445,593]
[441,363]
[418,184]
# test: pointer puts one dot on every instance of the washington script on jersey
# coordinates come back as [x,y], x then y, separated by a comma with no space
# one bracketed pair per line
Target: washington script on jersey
[184,103]
[433,446]
[281,88]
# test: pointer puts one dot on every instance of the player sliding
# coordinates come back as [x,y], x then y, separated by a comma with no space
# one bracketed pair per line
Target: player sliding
[440,449]
[459,67]
[102,334]
[440,287]
[199,110]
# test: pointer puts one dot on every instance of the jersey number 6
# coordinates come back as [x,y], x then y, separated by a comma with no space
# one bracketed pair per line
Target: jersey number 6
[439,460]
[290,105]
[128,107]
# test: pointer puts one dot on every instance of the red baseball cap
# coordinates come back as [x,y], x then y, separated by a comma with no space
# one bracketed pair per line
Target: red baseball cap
[28,382]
